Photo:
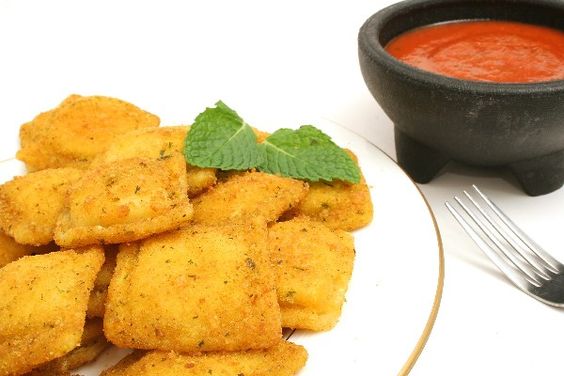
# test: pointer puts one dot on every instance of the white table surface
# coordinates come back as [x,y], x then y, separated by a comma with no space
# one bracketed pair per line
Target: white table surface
[281,60]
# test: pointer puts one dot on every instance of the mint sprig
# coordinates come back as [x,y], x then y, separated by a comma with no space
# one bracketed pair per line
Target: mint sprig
[308,154]
[219,138]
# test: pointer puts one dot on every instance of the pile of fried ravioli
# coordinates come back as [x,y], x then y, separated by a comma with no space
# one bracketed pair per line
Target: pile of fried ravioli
[111,237]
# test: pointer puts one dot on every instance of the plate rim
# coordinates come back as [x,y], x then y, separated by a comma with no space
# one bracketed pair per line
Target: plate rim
[431,319]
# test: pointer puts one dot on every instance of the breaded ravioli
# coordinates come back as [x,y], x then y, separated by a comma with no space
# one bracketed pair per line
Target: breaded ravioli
[313,267]
[124,201]
[31,204]
[339,205]
[92,344]
[10,250]
[158,143]
[282,359]
[200,288]
[72,134]
[249,195]
[43,302]
[97,301]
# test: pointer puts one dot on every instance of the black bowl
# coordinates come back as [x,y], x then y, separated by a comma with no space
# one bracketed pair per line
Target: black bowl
[438,118]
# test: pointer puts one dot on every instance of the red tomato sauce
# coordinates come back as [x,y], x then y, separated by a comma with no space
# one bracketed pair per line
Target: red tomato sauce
[496,51]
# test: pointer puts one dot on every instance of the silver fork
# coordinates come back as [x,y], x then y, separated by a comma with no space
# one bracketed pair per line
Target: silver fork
[523,261]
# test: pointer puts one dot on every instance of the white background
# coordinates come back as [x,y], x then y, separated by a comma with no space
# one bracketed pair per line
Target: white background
[280,60]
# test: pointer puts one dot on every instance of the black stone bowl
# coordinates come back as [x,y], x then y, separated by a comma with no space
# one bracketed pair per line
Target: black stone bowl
[438,119]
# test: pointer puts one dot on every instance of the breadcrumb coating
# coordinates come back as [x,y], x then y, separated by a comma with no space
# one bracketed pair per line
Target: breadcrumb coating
[209,288]
[124,201]
[158,143]
[339,205]
[92,344]
[43,301]
[81,127]
[313,265]
[10,250]
[249,195]
[282,359]
[31,204]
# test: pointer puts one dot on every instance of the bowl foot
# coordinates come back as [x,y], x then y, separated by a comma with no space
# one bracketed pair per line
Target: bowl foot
[420,162]
[537,176]
[540,175]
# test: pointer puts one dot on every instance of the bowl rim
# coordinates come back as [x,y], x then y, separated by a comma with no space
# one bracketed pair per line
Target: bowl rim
[369,43]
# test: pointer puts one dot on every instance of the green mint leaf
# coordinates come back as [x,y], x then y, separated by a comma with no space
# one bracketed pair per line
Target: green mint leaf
[220,138]
[308,154]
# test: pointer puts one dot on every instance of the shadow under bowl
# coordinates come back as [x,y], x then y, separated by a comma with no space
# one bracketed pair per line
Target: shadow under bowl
[438,118]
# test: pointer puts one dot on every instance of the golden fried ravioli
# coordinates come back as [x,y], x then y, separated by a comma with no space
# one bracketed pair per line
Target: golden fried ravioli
[339,205]
[92,344]
[97,301]
[313,266]
[282,359]
[77,130]
[43,302]
[10,250]
[196,289]
[31,204]
[199,179]
[158,143]
[124,201]
[249,195]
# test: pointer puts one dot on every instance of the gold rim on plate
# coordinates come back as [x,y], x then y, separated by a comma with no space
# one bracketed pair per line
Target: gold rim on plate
[436,303]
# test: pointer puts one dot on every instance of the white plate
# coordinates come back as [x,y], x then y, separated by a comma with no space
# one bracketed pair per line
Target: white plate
[396,286]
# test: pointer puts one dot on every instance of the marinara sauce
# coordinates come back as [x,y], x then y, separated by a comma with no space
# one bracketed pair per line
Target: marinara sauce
[497,51]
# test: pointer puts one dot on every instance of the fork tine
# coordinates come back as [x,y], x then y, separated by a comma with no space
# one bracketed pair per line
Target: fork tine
[500,248]
[496,257]
[536,266]
[550,262]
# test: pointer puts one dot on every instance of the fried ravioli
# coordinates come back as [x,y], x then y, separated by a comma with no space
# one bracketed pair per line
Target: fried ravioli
[43,302]
[92,344]
[313,266]
[158,143]
[97,301]
[125,201]
[113,239]
[200,288]
[283,359]
[31,204]
[339,205]
[10,250]
[249,195]
[72,134]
